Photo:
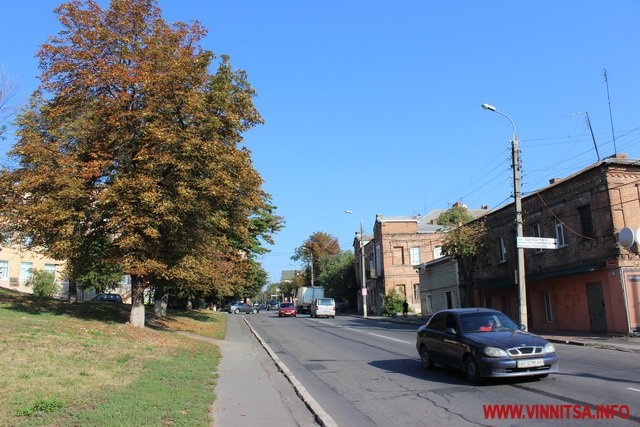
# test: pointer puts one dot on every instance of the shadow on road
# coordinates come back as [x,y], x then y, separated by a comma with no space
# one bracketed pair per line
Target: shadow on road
[442,374]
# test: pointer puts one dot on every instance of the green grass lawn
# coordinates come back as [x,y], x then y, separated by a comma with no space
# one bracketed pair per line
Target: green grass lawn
[82,365]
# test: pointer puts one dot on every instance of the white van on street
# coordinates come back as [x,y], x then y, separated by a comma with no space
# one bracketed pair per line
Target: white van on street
[323,307]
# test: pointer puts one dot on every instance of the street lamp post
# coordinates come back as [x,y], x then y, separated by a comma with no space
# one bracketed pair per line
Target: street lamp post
[363,290]
[522,285]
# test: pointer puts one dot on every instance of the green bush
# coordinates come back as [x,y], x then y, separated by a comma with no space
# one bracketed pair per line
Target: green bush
[43,283]
[392,304]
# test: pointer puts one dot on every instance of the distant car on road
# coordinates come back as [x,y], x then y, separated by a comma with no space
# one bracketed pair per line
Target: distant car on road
[260,306]
[117,298]
[484,343]
[323,307]
[273,305]
[287,309]
[240,307]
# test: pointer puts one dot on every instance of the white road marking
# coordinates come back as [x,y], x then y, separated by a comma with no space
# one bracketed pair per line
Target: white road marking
[361,331]
[633,389]
[389,338]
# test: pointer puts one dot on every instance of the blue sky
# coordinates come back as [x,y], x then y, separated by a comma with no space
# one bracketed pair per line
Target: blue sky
[374,106]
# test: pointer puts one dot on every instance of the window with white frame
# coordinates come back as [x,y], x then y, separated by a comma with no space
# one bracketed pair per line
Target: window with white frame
[502,250]
[51,269]
[559,226]
[428,303]
[437,252]
[414,254]
[416,292]
[26,271]
[4,269]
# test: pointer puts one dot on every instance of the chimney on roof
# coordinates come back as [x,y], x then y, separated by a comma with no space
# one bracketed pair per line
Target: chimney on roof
[484,207]
[619,156]
[554,180]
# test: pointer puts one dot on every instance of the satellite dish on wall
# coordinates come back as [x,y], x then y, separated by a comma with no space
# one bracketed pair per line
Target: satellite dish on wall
[626,237]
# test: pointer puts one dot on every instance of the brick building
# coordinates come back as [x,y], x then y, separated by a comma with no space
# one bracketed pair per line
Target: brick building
[393,254]
[590,282]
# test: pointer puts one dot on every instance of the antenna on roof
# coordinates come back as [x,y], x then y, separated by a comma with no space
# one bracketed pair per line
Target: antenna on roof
[606,81]
[593,138]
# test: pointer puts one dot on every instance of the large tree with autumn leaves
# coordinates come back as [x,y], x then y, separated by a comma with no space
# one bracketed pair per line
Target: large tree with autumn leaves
[133,140]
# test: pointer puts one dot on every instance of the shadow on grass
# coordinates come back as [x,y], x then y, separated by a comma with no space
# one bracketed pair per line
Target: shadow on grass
[31,304]
[90,310]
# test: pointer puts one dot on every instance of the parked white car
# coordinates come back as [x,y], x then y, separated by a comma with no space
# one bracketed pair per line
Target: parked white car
[323,307]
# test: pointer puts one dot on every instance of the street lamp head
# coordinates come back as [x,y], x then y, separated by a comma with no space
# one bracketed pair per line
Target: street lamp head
[348,212]
[489,107]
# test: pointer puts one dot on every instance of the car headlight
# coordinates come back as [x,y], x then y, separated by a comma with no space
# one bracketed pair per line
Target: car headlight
[494,352]
[549,348]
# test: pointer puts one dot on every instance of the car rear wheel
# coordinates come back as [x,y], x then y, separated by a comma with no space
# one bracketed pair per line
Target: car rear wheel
[471,369]
[254,311]
[425,360]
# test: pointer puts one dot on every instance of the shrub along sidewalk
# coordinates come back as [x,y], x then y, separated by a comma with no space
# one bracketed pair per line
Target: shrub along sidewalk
[83,365]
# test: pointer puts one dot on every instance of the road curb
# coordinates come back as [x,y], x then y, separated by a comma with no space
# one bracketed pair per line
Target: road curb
[323,418]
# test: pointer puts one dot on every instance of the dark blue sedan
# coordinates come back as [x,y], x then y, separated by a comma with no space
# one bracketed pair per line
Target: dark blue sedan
[484,343]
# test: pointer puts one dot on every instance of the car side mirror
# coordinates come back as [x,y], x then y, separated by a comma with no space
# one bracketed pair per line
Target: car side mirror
[522,328]
[450,331]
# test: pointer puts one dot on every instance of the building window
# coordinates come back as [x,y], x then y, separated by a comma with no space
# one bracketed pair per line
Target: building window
[429,304]
[414,254]
[416,292]
[559,226]
[437,252]
[535,232]
[378,262]
[400,290]
[51,269]
[502,250]
[4,269]
[586,221]
[398,255]
[26,271]
[547,307]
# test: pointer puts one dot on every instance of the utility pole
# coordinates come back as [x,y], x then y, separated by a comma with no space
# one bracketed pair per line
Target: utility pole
[520,272]
[364,278]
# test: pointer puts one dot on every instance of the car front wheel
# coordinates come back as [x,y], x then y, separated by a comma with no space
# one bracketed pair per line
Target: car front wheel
[471,369]
[237,311]
[254,311]
[425,360]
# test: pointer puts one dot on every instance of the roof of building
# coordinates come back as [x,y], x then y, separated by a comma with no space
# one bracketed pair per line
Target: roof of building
[427,224]
[616,159]
[288,275]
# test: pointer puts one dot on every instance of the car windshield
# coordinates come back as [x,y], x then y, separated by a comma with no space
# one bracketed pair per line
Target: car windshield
[325,301]
[486,322]
[286,305]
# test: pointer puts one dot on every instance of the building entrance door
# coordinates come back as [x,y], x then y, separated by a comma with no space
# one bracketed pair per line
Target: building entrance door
[597,310]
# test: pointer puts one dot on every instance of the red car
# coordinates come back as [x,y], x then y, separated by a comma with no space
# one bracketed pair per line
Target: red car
[287,309]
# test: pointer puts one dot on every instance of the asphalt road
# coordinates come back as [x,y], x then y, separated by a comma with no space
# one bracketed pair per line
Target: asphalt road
[367,373]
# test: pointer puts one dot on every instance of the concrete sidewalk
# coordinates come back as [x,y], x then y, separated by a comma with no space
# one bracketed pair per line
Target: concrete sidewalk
[250,389]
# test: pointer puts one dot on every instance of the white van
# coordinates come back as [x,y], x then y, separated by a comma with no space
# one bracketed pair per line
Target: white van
[323,307]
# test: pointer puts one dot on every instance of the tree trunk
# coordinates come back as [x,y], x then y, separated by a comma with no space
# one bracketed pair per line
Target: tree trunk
[137,302]
[467,300]
[160,300]
[157,301]
[73,291]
